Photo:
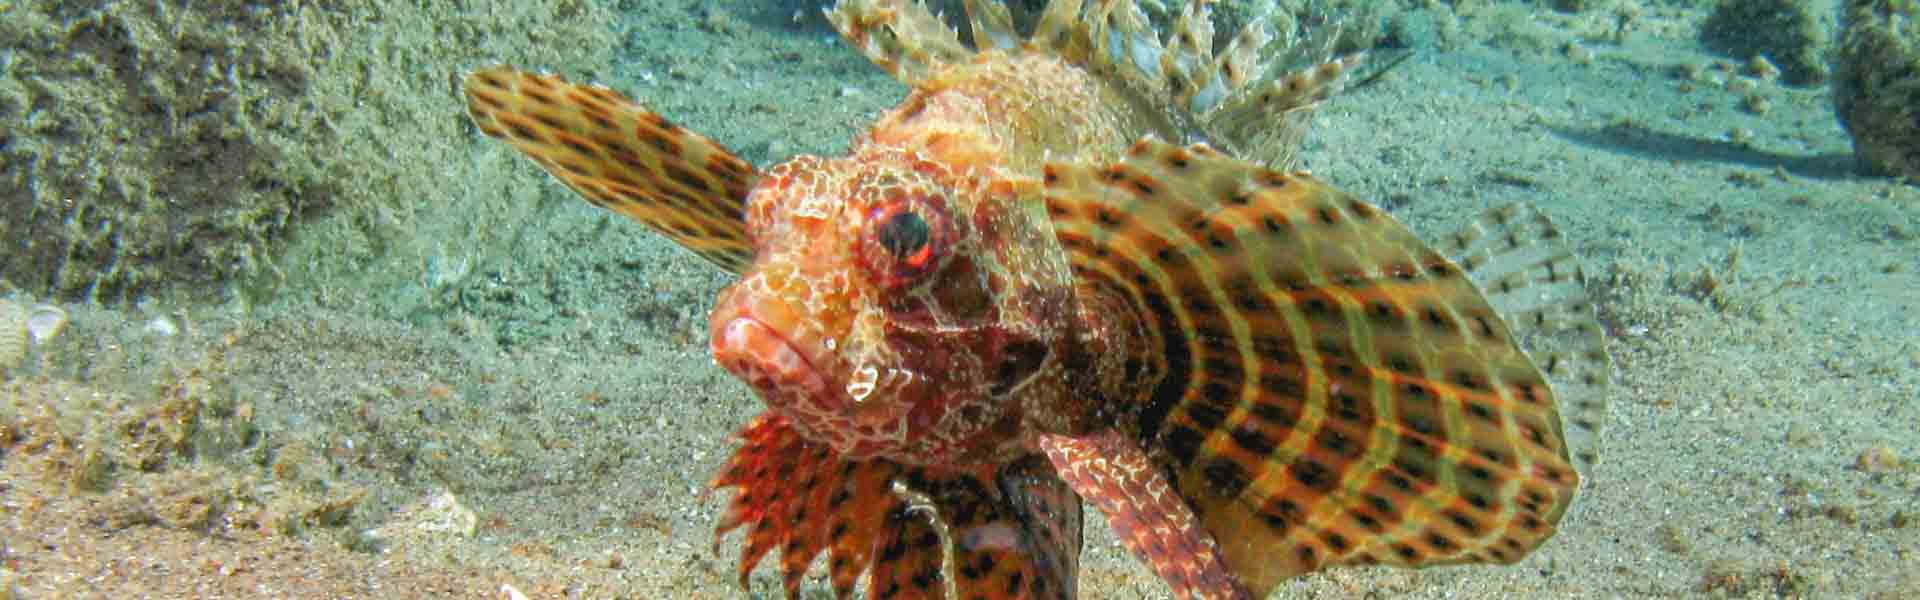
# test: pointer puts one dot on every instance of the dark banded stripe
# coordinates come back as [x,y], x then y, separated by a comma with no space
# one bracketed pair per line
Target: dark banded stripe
[1307,365]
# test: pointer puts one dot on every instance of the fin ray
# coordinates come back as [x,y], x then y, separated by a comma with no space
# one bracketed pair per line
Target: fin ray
[1334,391]
[901,36]
[992,24]
[1521,261]
[1239,99]
[1146,513]
[1011,531]
[620,156]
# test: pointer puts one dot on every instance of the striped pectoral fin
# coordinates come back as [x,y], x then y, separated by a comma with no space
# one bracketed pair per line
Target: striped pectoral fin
[1331,389]
[1111,471]
[1521,261]
[997,532]
[621,156]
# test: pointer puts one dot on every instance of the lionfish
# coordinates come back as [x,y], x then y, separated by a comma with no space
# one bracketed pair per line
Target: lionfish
[1016,294]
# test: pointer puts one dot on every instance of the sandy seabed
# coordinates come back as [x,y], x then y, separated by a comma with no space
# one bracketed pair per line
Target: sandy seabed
[554,431]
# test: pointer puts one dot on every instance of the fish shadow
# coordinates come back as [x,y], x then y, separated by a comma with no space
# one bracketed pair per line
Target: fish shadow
[1637,139]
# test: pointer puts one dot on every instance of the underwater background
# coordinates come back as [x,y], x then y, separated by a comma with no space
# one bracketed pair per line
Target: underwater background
[276,321]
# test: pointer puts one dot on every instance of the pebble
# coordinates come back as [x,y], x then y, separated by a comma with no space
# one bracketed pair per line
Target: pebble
[1580,54]
[1762,68]
[1878,458]
[1799,434]
[162,326]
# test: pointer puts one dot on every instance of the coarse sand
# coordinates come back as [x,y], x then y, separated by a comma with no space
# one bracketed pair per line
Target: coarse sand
[552,433]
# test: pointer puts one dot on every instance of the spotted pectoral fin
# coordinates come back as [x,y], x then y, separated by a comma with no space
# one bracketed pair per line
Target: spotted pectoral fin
[998,532]
[621,156]
[1331,390]
[1113,473]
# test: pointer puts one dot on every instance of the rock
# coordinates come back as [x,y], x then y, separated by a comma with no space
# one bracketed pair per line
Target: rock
[434,518]
[1879,458]
[1790,33]
[1876,83]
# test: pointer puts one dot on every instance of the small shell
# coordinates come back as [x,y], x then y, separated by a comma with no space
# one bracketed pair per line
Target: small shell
[45,322]
[13,334]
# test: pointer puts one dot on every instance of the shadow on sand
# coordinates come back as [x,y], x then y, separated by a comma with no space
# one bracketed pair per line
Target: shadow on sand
[1637,139]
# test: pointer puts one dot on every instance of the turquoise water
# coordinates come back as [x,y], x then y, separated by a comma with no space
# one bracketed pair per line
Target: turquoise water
[534,406]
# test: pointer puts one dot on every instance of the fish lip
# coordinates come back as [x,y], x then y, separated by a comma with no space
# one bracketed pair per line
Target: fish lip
[756,351]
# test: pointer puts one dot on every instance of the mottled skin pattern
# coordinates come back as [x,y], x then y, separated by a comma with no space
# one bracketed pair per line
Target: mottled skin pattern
[960,358]
[1011,296]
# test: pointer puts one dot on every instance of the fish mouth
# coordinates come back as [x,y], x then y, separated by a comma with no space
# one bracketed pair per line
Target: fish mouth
[761,341]
[783,355]
[763,358]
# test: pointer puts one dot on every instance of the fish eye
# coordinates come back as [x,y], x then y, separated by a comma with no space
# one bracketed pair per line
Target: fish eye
[906,239]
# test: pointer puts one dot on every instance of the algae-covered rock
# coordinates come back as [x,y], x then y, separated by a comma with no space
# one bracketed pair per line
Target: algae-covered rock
[169,145]
[1793,34]
[135,145]
[1876,83]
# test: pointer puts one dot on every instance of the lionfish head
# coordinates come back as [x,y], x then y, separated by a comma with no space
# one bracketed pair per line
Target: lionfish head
[894,308]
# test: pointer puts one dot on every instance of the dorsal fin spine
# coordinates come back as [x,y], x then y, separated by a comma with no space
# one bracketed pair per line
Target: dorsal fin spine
[1240,98]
